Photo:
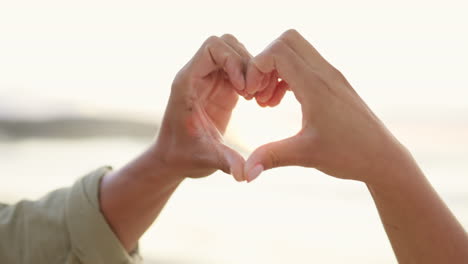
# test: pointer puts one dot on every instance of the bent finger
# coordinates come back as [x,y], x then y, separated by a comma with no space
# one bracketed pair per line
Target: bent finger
[232,41]
[278,95]
[216,54]
[266,94]
[280,57]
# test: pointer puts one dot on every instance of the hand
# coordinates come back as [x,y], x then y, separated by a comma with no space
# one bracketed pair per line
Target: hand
[340,135]
[203,96]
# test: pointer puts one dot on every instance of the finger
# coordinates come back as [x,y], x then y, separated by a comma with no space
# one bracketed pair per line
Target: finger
[234,43]
[237,46]
[310,55]
[258,81]
[216,54]
[303,48]
[265,95]
[278,95]
[272,155]
[248,97]
[219,106]
[232,163]
[254,78]
[280,57]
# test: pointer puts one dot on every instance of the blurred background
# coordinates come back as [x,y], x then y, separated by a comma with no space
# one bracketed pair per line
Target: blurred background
[85,83]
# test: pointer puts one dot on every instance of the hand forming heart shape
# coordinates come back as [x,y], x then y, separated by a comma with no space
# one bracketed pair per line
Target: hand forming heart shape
[340,135]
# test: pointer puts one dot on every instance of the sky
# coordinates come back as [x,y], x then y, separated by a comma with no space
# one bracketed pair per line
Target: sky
[124,54]
[120,57]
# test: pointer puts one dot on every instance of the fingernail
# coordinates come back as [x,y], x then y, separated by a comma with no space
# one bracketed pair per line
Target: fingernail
[254,172]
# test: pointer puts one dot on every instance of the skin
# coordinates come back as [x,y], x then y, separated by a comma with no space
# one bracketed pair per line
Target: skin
[189,144]
[343,138]
[340,136]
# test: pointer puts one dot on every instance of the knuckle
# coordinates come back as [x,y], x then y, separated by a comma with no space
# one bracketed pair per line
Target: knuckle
[290,34]
[278,46]
[181,78]
[212,40]
[229,37]
[337,74]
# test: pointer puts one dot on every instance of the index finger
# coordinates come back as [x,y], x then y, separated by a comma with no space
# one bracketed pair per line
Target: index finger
[216,54]
[235,44]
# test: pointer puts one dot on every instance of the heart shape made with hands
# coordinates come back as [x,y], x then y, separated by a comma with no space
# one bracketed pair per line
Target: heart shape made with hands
[267,87]
[337,125]
[203,96]
[219,72]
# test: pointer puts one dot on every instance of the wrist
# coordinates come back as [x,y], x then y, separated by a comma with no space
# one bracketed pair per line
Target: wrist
[131,198]
[177,160]
[156,168]
[397,170]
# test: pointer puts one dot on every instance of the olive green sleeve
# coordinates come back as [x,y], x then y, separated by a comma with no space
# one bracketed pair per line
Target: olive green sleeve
[65,226]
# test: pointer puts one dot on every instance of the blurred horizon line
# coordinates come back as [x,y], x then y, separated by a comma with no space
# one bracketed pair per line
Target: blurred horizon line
[82,127]
[75,128]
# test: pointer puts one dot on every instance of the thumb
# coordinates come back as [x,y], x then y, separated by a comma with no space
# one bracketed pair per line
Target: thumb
[275,154]
[232,162]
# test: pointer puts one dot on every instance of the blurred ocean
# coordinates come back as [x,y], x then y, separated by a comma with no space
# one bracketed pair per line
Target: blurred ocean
[289,215]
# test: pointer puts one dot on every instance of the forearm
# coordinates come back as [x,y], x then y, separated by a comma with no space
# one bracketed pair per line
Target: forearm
[419,225]
[132,197]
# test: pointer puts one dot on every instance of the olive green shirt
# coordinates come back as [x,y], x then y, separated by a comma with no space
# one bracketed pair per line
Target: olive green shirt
[66,226]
